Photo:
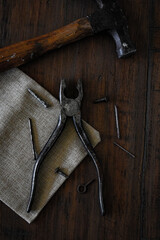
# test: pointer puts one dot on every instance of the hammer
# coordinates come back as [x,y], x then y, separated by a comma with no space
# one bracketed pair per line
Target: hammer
[108,17]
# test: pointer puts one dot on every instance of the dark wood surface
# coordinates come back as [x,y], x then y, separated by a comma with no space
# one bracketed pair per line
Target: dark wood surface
[131,186]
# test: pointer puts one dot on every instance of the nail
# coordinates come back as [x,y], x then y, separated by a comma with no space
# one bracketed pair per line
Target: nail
[59,171]
[46,105]
[117,121]
[104,99]
[32,140]
[124,149]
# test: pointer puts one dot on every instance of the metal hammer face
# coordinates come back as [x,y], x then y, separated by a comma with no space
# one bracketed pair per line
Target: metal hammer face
[110,17]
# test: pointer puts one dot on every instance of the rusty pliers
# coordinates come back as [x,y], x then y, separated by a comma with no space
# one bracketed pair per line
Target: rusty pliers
[69,108]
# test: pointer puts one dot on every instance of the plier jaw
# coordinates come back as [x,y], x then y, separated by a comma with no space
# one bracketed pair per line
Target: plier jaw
[69,101]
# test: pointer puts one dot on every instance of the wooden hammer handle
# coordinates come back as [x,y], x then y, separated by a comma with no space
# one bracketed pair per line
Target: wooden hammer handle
[23,52]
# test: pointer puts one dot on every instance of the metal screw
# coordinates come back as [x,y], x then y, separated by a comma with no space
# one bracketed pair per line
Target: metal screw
[59,171]
[104,99]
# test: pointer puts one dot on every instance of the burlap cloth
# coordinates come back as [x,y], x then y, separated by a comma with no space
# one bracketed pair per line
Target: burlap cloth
[16,155]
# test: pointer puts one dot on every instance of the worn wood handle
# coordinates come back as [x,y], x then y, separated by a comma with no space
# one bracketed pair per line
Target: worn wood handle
[23,52]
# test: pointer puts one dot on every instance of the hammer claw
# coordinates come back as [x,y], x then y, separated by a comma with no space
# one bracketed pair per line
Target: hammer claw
[111,18]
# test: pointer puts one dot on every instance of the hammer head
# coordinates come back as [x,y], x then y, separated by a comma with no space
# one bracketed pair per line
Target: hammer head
[110,17]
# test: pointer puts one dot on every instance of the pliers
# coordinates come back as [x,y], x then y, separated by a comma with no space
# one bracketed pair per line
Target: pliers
[69,108]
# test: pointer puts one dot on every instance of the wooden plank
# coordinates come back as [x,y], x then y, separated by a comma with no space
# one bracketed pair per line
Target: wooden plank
[156,10]
[156,39]
[69,215]
[151,198]
[152,172]
[155,72]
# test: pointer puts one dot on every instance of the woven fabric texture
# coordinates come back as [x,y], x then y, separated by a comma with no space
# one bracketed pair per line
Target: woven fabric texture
[17,105]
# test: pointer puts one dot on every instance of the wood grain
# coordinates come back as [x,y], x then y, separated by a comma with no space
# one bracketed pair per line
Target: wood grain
[127,182]
[151,189]
[156,39]
[155,13]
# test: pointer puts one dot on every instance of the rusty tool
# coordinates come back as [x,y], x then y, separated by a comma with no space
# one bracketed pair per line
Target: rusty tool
[69,108]
[109,17]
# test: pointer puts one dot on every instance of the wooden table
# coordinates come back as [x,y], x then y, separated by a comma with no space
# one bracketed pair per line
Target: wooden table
[132,186]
